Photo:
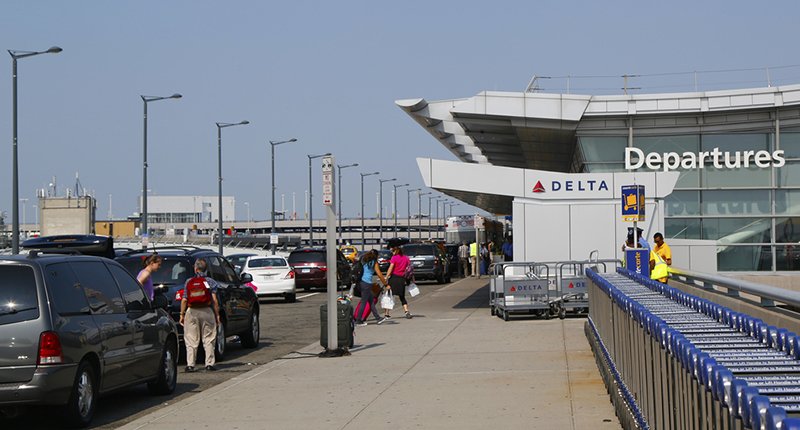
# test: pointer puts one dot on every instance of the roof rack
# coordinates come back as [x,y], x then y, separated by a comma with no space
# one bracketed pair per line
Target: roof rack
[162,248]
[36,252]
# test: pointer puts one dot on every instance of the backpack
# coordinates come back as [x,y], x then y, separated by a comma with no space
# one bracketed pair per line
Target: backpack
[408,274]
[358,271]
[197,292]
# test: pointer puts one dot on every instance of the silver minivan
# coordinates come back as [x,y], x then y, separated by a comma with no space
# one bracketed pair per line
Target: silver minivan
[73,328]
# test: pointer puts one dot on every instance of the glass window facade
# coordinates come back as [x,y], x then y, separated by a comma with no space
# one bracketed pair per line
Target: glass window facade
[750,211]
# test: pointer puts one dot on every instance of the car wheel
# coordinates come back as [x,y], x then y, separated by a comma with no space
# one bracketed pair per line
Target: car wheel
[219,342]
[290,297]
[79,410]
[252,335]
[167,371]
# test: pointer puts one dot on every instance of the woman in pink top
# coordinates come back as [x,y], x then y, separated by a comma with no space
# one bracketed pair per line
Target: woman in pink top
[397,267]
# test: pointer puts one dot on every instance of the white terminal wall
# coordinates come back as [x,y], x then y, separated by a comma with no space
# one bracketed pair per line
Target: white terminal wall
[559,224]
[207,206]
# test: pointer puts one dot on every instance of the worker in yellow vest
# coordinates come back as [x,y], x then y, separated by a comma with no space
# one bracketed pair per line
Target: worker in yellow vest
[473,257]
[660,259]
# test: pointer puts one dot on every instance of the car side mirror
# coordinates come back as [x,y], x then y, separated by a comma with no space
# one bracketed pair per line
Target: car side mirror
[246,277]
[160,302]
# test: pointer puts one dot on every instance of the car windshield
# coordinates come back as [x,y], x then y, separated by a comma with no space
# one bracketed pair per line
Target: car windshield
[18,299]
[418,250]
[174,272]
[266,262]
[306,257]
[386,255]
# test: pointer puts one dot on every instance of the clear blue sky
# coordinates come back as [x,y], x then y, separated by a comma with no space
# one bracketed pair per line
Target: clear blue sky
[326,73]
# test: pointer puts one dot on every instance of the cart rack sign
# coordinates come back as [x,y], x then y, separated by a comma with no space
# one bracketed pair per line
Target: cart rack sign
[633,202]
[635,158]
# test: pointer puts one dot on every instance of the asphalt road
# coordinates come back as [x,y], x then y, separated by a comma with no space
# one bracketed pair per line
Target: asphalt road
[285,327]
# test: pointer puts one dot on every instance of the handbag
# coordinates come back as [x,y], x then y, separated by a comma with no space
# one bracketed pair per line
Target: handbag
[412,289]
[387,301]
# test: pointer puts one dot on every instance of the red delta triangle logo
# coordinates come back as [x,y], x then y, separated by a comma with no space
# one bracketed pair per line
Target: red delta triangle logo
[513,288]
[538,188]
[571,285]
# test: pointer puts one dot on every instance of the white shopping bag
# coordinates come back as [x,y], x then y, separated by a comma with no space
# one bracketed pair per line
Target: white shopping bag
[412,289]
[387,301]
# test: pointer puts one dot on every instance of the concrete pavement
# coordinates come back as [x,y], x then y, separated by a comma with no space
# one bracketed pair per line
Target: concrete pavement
[452,366]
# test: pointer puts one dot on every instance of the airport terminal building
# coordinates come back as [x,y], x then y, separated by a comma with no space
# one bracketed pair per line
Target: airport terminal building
[736,154]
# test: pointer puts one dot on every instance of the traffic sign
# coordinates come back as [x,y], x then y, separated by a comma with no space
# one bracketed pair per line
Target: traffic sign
[327,180]
[633,202]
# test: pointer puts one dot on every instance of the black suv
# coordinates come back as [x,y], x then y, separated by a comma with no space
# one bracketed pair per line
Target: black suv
[430,261]
[238,303]
[311,268]
[76,327]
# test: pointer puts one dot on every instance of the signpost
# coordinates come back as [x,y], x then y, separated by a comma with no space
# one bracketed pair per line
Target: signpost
[328,197]
[636,259]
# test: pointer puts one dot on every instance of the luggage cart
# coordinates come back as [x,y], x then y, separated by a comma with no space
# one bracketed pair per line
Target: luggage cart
[524,287]
[573,286]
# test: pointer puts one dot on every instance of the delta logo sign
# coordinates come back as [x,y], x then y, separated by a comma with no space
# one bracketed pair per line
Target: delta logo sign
[588,185]
[524,287]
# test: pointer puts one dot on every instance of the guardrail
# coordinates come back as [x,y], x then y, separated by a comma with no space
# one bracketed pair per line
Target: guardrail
[767,295]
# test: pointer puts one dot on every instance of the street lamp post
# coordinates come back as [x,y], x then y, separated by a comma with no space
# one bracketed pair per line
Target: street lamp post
[430,225]
[272,145]
[380,208]
[145,100]
[247,205]
[340,188]
[311,199]
[220,126]
[419,211]
[15,55]
[363,240]
[395,205]
[408,209]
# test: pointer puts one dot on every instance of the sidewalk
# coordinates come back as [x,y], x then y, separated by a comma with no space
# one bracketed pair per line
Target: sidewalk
[452,366]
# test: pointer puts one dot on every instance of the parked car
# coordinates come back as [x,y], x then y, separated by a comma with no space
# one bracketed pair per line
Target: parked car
[73,328]
[384,255]
[272,276]
[238,303]
[429,260]
[237,260]
[350,252]
[311,268]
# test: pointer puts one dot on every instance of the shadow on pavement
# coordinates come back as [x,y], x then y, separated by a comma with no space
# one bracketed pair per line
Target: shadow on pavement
[476,300]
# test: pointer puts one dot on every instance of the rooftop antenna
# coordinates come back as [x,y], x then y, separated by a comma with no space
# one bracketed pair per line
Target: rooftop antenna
[625,87]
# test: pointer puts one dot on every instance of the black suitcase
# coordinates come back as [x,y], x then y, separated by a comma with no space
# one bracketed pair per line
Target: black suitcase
[344,325]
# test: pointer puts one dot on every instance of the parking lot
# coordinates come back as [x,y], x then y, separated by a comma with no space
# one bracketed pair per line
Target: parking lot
[285,327]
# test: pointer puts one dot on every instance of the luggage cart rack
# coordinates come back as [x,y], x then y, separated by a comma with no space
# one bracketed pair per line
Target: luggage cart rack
[542,289]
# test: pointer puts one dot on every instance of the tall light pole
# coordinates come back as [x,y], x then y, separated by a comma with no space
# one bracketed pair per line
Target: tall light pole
[408,209]
[363,241]
[380,208]
[419,211]
[220,126]
[311,199]
[438,200]
[145,101]
[272,146]
[15,55]
[36,216]
[340,188]
[430,215]
[247,205]
[395,205]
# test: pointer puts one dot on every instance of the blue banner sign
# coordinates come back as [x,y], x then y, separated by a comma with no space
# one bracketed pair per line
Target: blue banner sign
[633,202]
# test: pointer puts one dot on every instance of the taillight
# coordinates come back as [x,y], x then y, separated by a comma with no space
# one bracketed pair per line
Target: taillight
[49,349]
[179,295]
[289,275]
[435,261]
[323,268]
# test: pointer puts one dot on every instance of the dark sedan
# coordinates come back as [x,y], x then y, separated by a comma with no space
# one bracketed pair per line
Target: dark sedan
[429,261]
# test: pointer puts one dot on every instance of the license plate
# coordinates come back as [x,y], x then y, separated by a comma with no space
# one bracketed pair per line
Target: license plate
[305,271]
[418,263]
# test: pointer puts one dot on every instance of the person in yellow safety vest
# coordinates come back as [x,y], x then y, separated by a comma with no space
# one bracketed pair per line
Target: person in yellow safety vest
[660,259]
[473,257]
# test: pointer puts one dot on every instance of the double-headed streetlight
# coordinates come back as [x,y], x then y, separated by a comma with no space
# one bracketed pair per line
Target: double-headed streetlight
[363,240]
[380,208]
[145,101]
[220,126]
[394,205]
[272,146]
[311,199]
[340,188]
[15,55]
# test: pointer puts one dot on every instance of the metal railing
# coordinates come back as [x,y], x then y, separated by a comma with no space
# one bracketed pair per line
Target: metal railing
[767,295]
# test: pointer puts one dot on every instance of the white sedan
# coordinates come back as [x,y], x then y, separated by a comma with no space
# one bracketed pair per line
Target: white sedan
[272,276]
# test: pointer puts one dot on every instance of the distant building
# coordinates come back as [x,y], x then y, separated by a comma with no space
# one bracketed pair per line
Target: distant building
[67,215]
[189,209]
